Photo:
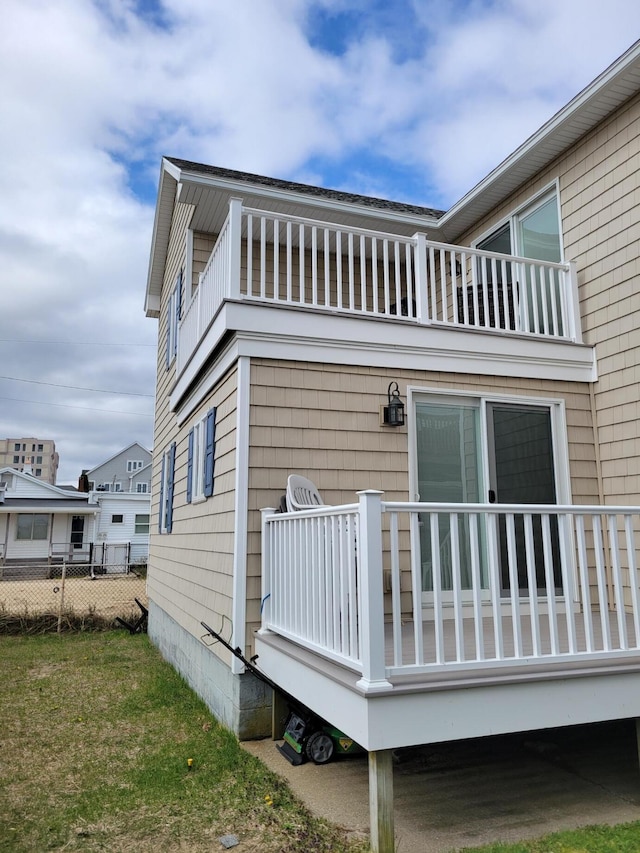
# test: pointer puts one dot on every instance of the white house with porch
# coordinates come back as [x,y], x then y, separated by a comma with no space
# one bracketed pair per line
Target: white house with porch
[473,568]
[41,523]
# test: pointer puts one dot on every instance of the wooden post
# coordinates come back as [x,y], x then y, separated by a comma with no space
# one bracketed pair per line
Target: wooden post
[279,714]
[638,736]
[381,801]
[422,284]
[232,287]
[61,608]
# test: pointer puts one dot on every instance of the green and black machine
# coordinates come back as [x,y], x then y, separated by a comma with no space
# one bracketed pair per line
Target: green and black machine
[306,736]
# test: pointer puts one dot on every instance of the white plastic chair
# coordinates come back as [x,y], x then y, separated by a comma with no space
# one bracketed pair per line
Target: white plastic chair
[301,493]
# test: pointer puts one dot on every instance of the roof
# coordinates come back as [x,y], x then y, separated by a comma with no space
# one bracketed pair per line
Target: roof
[55,490]
[79,506]
[208,188]
[115,455]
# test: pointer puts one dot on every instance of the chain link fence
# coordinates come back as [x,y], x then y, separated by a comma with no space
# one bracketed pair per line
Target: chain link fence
[36,598]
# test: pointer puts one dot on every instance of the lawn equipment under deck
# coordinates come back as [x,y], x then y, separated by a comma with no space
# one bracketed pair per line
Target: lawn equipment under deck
[306,735]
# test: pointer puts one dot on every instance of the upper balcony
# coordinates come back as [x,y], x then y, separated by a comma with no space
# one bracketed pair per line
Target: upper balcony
[290,262]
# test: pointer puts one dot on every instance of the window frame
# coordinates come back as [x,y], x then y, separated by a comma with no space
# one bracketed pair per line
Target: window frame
[32,516]
[201,458]
[137,524]
[519,212]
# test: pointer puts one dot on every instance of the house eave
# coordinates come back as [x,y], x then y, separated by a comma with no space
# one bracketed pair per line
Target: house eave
[585,111]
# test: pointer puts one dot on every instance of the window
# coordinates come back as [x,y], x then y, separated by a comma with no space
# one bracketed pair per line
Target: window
[39,460]
[92,485]
[142,488]
[533,303]
[40,448]
[134,464]
[16,446]
[32,526]
[116,487]
[142,523]
[174,312]
[16,459]
[165,513]
[201,458]
[117,518]
[38,472]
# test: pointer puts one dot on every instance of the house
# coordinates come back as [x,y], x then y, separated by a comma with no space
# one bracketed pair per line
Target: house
[41,523]
[126,471]
[121,487]
[37,456]
[474,569]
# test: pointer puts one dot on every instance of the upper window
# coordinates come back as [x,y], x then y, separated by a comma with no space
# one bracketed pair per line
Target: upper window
[515,294]
[167,476]
[531,232]
[134,464]
[201,458]
[32,526]
[142,488]
[117,518]
[174,312]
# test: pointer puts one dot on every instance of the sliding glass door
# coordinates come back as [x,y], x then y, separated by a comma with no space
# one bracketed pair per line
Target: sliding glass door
[471,450]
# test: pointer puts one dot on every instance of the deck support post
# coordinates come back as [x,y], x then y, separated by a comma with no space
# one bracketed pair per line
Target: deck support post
[637,721]
[381,801]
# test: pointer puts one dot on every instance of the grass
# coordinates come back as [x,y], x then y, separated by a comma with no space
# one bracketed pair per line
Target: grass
[96,735]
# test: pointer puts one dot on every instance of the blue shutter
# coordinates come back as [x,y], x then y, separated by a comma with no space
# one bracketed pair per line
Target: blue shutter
[168,343]
[209,452]
[178,311]
[160,505]
[190,467]
[170,481]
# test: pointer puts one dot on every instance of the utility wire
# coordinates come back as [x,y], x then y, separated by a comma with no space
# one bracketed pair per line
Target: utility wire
[85,408]
[68,343]
[75,387]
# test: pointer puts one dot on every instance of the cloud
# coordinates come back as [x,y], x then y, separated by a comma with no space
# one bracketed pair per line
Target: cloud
[412,99]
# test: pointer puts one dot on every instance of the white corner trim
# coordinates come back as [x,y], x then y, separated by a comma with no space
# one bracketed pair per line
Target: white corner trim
[241,508]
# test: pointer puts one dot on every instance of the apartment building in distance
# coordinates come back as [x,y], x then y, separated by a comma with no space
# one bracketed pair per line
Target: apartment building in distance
[36,456]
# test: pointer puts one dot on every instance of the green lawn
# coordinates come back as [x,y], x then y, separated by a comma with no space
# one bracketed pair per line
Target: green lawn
[97,732]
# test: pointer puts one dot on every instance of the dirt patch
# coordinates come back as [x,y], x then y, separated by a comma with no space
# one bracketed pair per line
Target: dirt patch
[104,596]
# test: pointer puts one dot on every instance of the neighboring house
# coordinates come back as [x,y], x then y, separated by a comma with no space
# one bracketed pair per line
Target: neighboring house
[493,586]
[121,487]
[126,471]
[37,456]
[122,528]
[41,523]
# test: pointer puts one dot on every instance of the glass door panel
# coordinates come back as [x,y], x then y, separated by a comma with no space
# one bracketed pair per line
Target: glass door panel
[448,472]
[522,472]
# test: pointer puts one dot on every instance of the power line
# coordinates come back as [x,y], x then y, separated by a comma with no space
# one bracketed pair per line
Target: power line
[69,406]
[75,387]
[68,343]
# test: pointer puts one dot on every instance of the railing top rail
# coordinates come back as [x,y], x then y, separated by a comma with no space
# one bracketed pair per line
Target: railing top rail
[497,508]
[314,512]
[499,256]
[331,226]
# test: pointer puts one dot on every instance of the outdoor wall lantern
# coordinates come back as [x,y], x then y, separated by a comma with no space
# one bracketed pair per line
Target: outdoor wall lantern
[393,413]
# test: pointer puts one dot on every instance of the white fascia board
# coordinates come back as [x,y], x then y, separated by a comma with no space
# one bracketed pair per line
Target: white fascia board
[571,111]
[326,338]
[351,340]
[160,238]
[240,188]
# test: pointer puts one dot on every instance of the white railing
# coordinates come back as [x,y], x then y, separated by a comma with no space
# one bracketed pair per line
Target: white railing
[470,587]
[293,261]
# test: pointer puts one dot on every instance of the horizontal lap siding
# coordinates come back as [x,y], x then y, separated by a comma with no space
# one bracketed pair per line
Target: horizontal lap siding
[599,183]
[323,421]
[190,569]
[601,197]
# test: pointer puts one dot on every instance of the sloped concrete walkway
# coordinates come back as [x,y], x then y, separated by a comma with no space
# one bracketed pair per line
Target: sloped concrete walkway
[468,793]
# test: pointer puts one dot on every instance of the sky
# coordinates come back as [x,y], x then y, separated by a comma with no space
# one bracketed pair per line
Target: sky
[411,100]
